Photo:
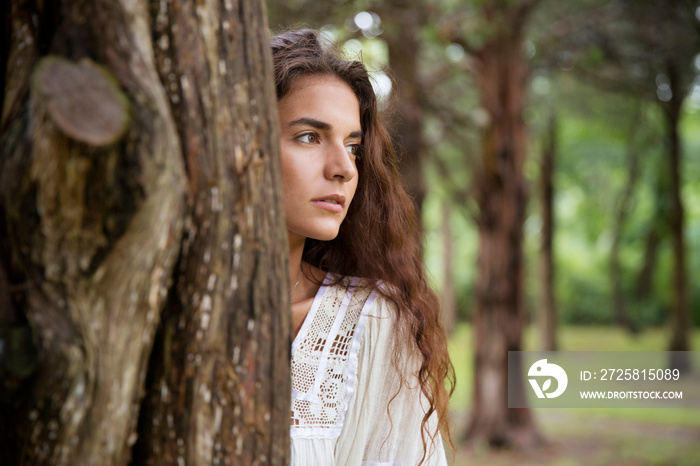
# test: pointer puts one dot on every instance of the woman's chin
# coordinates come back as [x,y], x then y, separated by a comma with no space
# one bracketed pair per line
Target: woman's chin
[317,232]
[324,234]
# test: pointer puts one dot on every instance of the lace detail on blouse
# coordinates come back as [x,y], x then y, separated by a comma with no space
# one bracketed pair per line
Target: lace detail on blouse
[324,358]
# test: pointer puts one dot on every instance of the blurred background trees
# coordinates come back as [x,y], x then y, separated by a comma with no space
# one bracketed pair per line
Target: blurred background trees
[553,148]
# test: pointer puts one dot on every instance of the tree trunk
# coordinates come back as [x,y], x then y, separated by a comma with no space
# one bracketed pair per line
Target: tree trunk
[139,178]
[645,278]
[500,313]
[657,230]
[402,38]
[680,312]
[620,314]
[548,311]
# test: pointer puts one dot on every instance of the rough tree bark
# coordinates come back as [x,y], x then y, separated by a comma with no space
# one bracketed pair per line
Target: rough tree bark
[139,178]
[548,311]
[500,310]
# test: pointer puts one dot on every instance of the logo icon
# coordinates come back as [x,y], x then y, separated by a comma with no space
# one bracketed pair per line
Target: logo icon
[543,369]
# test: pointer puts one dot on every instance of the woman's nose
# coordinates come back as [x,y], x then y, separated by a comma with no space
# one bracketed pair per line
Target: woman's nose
[339,163]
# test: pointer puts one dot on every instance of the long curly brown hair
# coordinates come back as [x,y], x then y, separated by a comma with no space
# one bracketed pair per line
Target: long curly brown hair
[380,237]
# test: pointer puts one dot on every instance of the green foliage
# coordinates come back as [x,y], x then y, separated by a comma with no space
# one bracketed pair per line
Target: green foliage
[690,131]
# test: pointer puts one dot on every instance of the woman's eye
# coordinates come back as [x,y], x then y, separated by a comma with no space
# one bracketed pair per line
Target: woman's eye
[353,149]
[308,138]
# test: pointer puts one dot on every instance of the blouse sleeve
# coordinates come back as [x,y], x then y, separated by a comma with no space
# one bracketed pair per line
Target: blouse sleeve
[375,435]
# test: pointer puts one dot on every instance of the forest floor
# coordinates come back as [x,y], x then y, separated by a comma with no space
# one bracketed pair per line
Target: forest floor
[576,438]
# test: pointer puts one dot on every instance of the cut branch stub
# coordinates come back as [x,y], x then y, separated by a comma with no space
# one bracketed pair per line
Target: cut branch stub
[83,100]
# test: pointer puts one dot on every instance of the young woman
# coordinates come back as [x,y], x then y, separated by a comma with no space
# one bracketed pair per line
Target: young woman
[369,360]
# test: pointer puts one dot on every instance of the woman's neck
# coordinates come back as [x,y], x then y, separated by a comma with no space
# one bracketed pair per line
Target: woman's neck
[296,249]
[303,284]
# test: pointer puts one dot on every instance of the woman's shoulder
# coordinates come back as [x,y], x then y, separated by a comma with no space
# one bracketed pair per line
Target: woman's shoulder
[364,304]
[372,294]
[353,290]
[385,332]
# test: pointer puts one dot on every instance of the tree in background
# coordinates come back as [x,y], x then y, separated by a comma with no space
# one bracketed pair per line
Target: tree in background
[547,313]
[622,209]
[500,317]
[140,195]
[404,20]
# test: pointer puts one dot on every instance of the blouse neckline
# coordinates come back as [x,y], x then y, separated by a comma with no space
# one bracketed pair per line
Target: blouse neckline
[312,312]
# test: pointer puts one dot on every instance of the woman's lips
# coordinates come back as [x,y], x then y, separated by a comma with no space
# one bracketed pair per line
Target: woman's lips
[331,206]
[330,202]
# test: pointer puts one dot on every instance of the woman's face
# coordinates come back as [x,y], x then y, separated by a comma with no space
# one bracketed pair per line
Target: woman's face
[320,136]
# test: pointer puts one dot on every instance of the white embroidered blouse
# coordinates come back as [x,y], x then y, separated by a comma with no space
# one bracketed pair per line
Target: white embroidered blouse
[343,379]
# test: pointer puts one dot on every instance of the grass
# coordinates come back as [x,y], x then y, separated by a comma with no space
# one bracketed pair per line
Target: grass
[601,436]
